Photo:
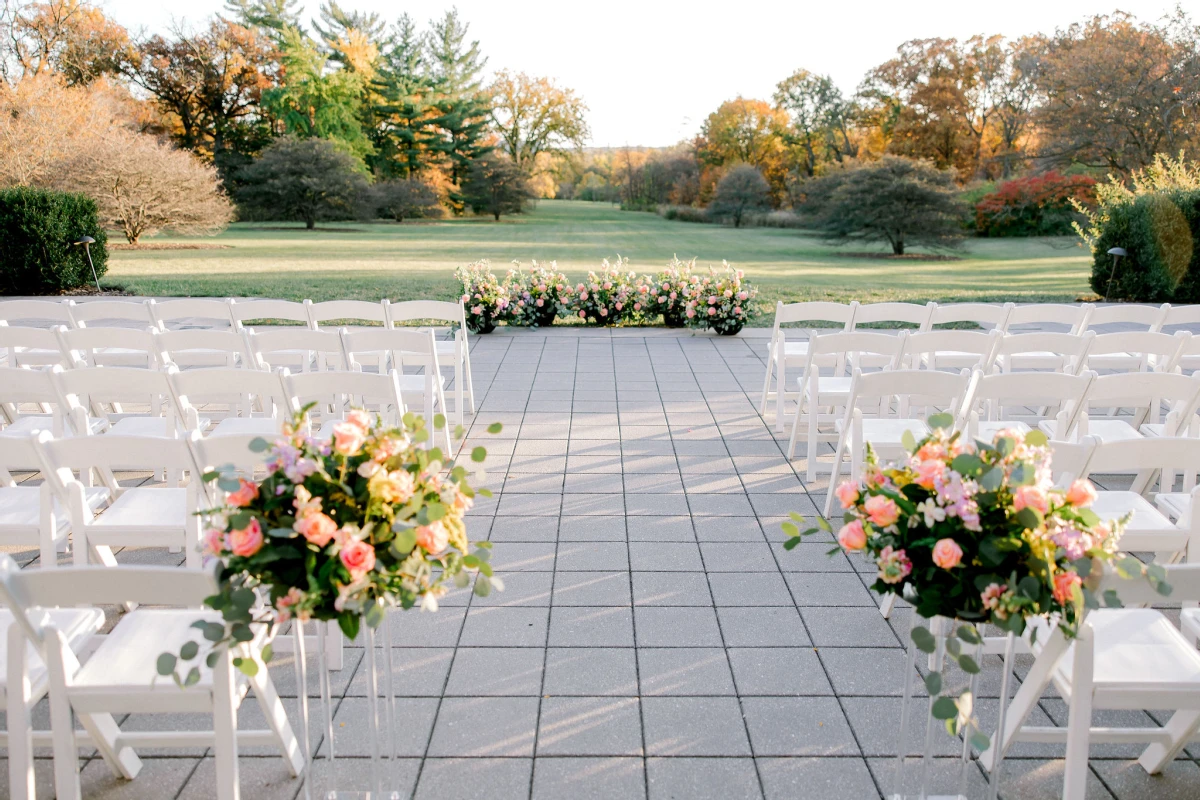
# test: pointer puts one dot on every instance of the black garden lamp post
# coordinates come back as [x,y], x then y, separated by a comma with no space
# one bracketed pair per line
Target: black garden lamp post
[87,243]
[1117,253]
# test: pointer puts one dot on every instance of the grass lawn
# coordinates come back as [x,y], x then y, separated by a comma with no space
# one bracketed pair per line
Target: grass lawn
[413,260]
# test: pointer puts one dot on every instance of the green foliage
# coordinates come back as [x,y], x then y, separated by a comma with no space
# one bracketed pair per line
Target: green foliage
[303,179]
[740,191]
[37,228]
[495,185]
[1160,231]
[405,198]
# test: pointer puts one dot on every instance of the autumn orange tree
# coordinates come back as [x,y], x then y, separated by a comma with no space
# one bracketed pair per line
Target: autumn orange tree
[743,131]
[70,38]
[535,115]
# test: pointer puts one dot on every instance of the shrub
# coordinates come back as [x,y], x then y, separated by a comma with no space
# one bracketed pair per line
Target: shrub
[684,213]
[303,179]
[405,198]
[1160,232]
[37,228]
[741,191]
[536,294]
[720,300]
[607,297]
[485,298]
[495,185]
[1036,205]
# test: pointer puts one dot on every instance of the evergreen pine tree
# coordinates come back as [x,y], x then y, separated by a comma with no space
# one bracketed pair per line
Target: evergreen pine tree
[401,127]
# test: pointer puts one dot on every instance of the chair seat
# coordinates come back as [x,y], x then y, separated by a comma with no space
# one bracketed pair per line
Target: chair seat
[415,384]
[242,426]
[1152,430]
[20,510]
[1174,504]
[26,424]
[161,427]
[1138,648]
[828,387]
[146,509]
[1117,361]
[1146,518]
[988,428]
[1112,430]
[1189,624]
[120,357]
[77,625]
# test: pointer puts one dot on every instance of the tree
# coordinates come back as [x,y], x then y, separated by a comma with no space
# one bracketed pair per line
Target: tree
[303,179]
[142,186]
[898,200]
[1118,92]
[402,129]
[740,190]
[405,198]
[352,37]
[268,16]
[497,186]
[533,116]
[459,106]
[70,37]
[750,132]
[820,118]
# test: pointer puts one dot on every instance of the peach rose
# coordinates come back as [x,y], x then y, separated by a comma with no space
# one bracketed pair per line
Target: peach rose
[847,493]
[246,541]
[360,419]
[928,472]
[1031,497]
[1064,586]
[348,438]
[245,494]
[930,451]
[392,487]
[852,536]
[1082,493]
[881,510]
[214,541]
[357,557]
[433,538]
[317,528]
[947,554]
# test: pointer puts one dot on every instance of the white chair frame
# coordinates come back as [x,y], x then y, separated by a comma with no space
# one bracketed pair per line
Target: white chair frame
[782,353]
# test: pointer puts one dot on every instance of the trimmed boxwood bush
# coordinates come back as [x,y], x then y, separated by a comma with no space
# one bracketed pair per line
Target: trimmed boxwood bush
[1161,233]
[37,228]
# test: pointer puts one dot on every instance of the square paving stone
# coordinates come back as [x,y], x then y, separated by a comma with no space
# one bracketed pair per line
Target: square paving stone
[670,589]
[534,483]
[719,505]
[590,726]
[876,720]
[594,483]
[590,671]
[728,529]
[809,556]
[520,589]
[654,483]
[427,630]
[848,627]
[690,778]
[592,529]
[485,726]
[705,464]
[1178,781]
[530,529]
[635,463]
[504,627]
[538,464]
[593,504]
[416,671]
[788,671]
[708,483]
[798,726]
[159,778]
[876,671]
[661,529]
[655,504]
[593,556]
[471,778]
[694,726]
[588,778]
[591,589]
[757,589]
[524,557]
[591,627]
[816,777]
[684,671]
[607,464]
[482,671]
[677,627]
[351,726]
[740,557]
[762,627]
[529,505]
[665,556]
[829,589]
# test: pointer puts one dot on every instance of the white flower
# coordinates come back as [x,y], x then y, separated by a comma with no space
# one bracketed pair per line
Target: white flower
[932,511]
[368,468]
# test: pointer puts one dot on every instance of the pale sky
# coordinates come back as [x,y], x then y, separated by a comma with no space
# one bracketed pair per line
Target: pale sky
[651,71]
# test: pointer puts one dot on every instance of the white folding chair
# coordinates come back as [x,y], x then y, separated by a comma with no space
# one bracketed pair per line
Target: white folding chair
[1138,351]
[847,352]
[456,352]
[1044,352]
[378,393]
[905,399]
[254,401]
[244,311]
[21,388]
[107,316]
[109,392]
[194,347]
[1122,658]
[1143,394]
[30,347]
[1014,400]
[1133,318]
[346,311]
[38,314]
[138,516]
[297,349]
[906,313]
[192,313]
[782,353]
[404,347]
[1048,318]
[982,314]
[951,351]
[109,347]
[121,675]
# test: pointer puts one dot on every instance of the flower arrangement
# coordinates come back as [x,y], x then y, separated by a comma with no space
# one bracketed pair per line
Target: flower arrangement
[536,295]
[720,300]
[340,530]
[667,292]
[486,300]
[977,532]
[608,297]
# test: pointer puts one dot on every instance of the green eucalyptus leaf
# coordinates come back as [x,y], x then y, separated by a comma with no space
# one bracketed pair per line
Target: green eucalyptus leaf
[968,634]
[933,683]
[479,454]
[248,667]
[924,640]
[945,708]
[259,445]
[495,427]
[1036,438]
[166,664]
[193,677]
[980,741]
[941,421]
[189,650]
[968,665]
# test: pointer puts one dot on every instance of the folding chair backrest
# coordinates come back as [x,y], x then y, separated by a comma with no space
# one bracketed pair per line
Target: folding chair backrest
[106,455]
[995,392]
[1135,590]
[842,314]
[274,344]
[930,343]
[83,344]
[338,310]
[98,312]
[405,345]
[230,387]
[1073,348]
[1130,455]
[219,451]
[245,310]
[1166,347]
[21,386]
[434,310]
[852,344]
[1181,315]
[26,338]
[376,392]
[910,313]
[187,312]
[1145,390]
[174,346]
[57,312]
[1148,318]
[1069,460]
[93,387]
[912,388]
[1074,317]
[981,313]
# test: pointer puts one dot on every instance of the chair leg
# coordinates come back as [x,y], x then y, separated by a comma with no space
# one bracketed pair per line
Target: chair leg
[781,392]
[1182,727]
[813,446]
[889,603]
[20,725]
[466,354]
[836,470]
[1027,697]
[66,755]
[766,390]
[1079,721]
[277,721]
[795,435]
[225,729]
[47,529]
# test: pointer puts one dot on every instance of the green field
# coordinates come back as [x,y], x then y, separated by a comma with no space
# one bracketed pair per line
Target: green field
[411,260]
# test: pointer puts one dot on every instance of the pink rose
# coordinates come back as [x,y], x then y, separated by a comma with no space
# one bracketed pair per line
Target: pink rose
[1082,493]
[947,554]
[246,541]
[712,300]
[1030,497]
[540,302]
[348,438]
[893,564]
[607,285]
[583,315]
[881,510]
[637,306]
[360,419]
[476,310]
[583,295]
[1064,586]
[618,306]
[743,295]
[737,310]
[691,312]
[847,493]
[246,494]
[604,312]
[215,541]
[357,557]
[928,472]
[673,295]
[433,538]
[318,528]
[852,536]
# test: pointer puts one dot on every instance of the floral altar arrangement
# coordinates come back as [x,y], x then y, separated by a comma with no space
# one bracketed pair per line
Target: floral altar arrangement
[536,296]
[977,533]
[608,297]
[486,300]
[720,301]
[667,292]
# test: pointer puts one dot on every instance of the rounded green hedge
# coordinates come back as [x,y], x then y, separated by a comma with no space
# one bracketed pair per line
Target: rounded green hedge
[1161,233]
[37,229]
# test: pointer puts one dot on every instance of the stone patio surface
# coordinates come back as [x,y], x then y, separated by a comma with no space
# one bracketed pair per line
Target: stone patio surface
[654,640]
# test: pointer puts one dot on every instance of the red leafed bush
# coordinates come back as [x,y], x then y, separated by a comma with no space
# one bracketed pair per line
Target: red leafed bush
[1036,205]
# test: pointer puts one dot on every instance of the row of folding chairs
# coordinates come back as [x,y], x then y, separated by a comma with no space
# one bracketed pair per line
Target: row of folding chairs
[205,332]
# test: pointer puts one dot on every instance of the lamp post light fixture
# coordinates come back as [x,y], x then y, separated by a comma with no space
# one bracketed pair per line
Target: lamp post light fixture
[87,243]
[1117,253]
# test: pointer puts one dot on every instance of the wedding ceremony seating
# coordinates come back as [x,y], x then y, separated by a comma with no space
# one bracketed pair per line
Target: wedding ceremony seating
[455,354]
[238,400]
[782,352]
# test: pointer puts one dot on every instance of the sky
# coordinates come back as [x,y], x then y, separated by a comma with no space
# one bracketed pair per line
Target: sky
[651,71]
